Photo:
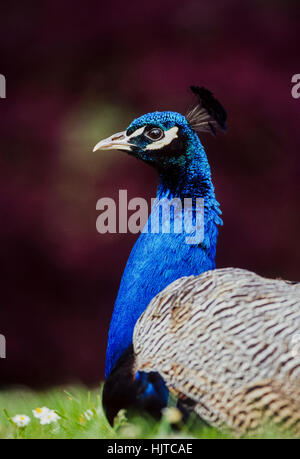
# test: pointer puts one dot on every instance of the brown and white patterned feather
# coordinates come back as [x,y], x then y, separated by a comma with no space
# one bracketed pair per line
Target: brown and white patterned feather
[229,341]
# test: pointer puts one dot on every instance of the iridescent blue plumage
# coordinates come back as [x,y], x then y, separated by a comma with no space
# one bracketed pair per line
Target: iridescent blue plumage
[168,142]
[158,259]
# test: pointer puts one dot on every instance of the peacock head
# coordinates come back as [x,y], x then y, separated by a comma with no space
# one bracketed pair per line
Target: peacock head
[166,140]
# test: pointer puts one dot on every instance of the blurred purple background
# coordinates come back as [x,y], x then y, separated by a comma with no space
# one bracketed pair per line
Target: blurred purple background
[80,71]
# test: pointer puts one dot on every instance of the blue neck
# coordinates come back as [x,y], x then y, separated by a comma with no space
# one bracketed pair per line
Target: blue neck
[157,260]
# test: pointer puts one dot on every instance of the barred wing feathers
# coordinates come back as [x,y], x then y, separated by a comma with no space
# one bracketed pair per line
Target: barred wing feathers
[228,343]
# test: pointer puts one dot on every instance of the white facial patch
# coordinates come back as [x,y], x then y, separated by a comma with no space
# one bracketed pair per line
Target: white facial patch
[136,133]
[170,135]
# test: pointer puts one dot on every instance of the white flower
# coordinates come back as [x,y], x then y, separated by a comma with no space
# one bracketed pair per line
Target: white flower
[45,415]
[40,412]
[88,415]
[49,417]
[130,431]
[21,420]
[172,414]
[98,411]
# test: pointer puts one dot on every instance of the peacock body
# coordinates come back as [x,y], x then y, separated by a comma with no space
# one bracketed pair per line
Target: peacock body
[227,343]
[221,340]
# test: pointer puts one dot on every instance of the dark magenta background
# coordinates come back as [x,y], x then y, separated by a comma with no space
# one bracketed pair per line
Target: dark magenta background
[69,64]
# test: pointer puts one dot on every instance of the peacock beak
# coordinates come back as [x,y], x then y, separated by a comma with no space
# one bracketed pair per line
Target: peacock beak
[119,141]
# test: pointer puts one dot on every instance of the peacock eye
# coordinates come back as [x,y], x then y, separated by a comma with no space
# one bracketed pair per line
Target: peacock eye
[155,134]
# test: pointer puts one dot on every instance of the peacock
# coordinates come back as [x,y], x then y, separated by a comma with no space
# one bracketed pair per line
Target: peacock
[223,341]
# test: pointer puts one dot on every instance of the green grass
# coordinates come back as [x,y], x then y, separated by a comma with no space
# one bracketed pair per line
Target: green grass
[72,404]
